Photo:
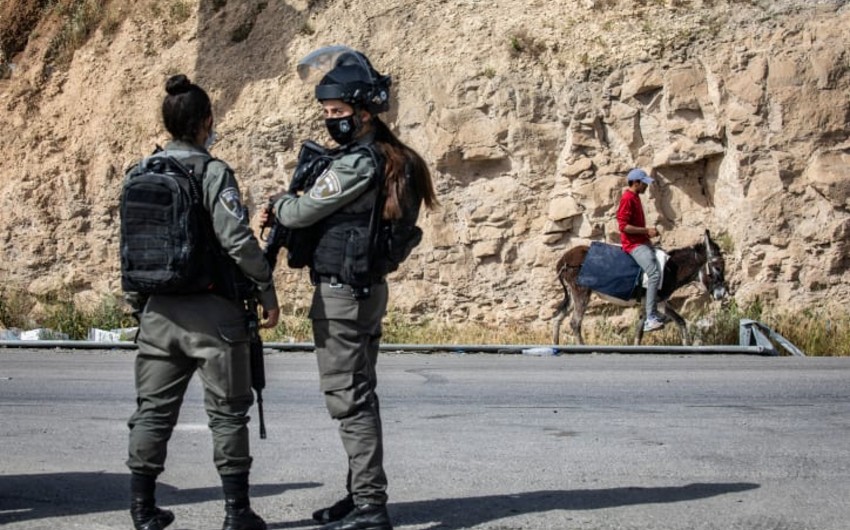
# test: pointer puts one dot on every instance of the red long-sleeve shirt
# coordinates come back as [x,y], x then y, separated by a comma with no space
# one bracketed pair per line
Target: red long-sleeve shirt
[630,212]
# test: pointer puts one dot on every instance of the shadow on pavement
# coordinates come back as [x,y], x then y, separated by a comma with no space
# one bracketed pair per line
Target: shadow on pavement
[447,514]
[27,497]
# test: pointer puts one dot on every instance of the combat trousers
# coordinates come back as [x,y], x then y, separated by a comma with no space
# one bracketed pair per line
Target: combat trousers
[347,333]
[178,336]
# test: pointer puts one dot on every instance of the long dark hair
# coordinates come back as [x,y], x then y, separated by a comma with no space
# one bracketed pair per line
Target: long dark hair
[185,109]
[401,159]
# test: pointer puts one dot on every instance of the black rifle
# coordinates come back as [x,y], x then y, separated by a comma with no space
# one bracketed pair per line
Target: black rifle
[311,163]
[305,173]
[258,368]
[279,236]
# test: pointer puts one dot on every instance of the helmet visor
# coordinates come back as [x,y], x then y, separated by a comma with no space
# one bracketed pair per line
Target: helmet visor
[316,64]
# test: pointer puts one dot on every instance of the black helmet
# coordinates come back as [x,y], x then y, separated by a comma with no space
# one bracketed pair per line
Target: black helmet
[348,76]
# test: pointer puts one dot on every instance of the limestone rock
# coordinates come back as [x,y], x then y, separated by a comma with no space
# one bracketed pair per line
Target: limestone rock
[641,78]
[529,115]
[828,174]
[564,208]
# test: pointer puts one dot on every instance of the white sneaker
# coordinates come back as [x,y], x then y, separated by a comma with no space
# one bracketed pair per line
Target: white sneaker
[652,323]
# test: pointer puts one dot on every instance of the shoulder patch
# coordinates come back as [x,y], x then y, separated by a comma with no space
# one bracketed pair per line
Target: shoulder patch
[326,187]
[231,201]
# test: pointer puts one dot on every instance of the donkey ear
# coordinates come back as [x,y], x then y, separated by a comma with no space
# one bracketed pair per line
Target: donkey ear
[707,235]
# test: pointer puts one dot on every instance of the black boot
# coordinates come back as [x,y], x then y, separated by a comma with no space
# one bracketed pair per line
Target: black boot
[143,509]
[363,517]
[146,516]
[336,512]
[240,516]
[237,507]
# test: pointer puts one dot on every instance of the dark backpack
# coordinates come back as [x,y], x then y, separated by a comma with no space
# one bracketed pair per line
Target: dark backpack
[166,243]
[390,242]
[398,237]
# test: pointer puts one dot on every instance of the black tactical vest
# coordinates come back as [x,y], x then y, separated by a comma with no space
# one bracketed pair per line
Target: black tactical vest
[345,245]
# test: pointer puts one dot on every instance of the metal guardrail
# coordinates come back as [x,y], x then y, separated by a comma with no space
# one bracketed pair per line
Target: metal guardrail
[753,332]
[755,338]
[427,348]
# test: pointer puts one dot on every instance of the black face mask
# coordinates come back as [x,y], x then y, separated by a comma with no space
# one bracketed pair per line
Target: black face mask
[343,130]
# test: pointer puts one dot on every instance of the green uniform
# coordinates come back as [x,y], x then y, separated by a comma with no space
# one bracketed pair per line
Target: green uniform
[346,328]
[207,333]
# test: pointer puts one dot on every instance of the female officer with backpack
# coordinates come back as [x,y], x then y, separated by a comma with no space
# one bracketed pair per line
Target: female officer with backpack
[371,183]
[196,320]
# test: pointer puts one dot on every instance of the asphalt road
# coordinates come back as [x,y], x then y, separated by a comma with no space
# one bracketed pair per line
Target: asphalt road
[472,441]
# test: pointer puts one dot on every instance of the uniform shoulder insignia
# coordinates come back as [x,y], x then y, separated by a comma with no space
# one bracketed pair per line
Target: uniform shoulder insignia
[231,201]
[327,186]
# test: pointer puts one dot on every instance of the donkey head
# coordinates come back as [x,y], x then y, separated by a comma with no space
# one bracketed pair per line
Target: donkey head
[711,275]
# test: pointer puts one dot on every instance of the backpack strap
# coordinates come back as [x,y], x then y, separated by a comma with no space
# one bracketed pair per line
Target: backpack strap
[193,164]
[230,281]
[380,195]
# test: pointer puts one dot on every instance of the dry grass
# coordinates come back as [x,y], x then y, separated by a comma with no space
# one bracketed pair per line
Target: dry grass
[815,332]
[59,313]
[818,333]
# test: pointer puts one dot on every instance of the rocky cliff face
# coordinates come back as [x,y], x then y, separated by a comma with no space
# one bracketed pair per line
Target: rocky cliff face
[530,113]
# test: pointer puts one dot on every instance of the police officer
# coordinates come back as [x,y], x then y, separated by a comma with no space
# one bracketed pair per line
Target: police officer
[203,331]
[371,176]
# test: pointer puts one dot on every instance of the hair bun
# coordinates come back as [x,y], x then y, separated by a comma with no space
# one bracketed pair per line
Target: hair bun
[178,84]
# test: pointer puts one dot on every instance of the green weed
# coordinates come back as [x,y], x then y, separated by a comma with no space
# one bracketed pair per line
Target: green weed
[516,44]
[62,314]
[59,312]
[721,326]
[79,20]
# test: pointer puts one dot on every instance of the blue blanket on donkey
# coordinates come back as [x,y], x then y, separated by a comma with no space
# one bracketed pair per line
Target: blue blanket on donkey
[609,270]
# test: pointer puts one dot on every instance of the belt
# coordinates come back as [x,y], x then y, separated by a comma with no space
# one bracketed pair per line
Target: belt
[334,281]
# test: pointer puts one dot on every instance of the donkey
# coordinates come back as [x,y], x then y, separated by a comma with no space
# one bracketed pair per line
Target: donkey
[702,261]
